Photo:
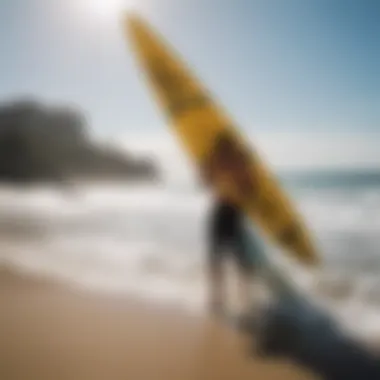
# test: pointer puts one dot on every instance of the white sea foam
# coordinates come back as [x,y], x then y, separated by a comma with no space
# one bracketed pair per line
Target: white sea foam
[151,240]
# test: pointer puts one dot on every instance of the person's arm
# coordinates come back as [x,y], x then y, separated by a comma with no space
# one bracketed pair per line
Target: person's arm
[206,173]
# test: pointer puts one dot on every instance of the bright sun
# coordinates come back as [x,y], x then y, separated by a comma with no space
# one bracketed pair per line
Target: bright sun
[109,8]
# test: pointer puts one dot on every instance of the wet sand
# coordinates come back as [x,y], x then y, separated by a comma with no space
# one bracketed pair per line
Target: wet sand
[51,332]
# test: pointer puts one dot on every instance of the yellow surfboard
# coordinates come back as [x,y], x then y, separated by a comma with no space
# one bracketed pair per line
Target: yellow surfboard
[219,150]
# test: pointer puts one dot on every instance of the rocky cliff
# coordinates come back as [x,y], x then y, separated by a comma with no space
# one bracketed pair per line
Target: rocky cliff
[41,143]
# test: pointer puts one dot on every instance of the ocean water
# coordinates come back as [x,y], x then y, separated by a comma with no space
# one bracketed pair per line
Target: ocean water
[149,240]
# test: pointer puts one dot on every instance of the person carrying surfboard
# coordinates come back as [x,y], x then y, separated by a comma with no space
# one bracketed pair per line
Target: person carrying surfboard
[225,225]
[224,236]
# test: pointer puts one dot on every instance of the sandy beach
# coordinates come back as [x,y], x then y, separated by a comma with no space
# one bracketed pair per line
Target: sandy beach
[52,332]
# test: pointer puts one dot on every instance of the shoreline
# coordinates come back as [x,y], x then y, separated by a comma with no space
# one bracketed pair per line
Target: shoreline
[52,331]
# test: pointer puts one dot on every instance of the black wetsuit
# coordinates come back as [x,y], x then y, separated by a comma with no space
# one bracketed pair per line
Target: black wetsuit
[225,236]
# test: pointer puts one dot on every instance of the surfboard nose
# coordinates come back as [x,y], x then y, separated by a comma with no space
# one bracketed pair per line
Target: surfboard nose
[132,21]
[144,39]
[137,29]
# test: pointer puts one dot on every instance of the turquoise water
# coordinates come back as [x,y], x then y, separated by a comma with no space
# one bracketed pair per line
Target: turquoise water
[358,179]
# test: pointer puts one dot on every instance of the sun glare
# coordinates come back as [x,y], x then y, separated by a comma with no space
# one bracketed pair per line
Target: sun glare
[109,8]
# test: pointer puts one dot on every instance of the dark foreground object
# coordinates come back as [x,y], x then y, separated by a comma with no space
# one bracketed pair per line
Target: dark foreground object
[310,338]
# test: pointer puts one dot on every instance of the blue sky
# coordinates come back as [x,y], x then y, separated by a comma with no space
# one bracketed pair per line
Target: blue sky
[291,67]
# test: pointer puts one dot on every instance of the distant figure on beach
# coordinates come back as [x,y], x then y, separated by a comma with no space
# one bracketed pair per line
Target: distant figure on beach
[227,163]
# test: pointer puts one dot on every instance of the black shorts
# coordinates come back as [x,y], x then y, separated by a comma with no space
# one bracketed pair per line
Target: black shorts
[222,246]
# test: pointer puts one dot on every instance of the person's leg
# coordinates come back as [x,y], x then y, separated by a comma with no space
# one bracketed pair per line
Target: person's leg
[246,291]
[246,273]
[215,277]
